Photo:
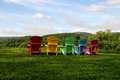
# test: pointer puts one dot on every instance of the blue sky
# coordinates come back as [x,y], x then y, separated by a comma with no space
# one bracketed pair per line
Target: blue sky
[41,17]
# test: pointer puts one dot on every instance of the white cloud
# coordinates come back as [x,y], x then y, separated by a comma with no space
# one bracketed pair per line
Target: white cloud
[5,32]
[73,20]
[2,29]
[113,25]
[36,4]
[33,4]
[38,29]
[102,6]
[38,15]
[25,24]
[31,29]
[12,1]
[114,2]
[13,18]
[95,8]
[77,25]
[24,1]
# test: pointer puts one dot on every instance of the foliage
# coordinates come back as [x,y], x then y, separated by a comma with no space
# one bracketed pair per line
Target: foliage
[14,41]
[108,40]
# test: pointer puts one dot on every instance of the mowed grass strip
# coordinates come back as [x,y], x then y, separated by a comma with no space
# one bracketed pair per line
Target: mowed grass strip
[16,64]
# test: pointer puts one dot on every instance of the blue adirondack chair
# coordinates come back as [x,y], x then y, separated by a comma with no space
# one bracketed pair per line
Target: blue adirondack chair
[82,45]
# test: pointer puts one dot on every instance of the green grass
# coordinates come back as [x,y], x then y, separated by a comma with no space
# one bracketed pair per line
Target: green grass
[16,64]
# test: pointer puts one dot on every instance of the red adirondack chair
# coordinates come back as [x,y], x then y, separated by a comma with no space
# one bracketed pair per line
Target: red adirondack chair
[35,45]
[93,49]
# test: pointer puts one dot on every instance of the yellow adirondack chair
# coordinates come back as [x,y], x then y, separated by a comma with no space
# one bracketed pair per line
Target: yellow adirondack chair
[52,45]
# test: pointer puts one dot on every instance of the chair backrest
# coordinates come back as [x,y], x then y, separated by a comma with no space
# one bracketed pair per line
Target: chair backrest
[35,43]
[94,42]
[82,42]
[52,43]
[51,40]
[70,41]
[36,40]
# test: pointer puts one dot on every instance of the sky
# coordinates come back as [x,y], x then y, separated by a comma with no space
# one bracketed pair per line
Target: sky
[42,17]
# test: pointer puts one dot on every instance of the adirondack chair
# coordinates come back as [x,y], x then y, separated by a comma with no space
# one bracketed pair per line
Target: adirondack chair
[52,45]
[35,45]
[93,48]
[69,46]
[82,45]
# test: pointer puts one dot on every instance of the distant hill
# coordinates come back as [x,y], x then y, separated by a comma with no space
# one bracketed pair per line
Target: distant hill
[83,33]
[24,40]
[72,33]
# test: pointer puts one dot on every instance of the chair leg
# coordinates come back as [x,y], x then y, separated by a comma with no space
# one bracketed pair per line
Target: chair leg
[40,51]
[72,51]
[56,53]
[30,53]
[86,50]
[30,50]
[91,51]
[47,53]
[64,52]
[76,51]
[96,50]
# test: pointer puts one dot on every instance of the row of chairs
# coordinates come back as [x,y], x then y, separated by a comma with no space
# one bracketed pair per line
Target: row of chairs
[52,46]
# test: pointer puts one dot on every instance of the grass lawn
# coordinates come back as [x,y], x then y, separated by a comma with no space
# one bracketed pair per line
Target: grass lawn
[16,64]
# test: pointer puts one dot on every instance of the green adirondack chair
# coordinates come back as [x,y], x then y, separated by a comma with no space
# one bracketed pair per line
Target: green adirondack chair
[69,46]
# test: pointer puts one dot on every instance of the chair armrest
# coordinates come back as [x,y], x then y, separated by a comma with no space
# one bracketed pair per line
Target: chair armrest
[28,45]
[46,45]
[60,46]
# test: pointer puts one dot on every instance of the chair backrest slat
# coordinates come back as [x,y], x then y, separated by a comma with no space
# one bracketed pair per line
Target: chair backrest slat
[36,39]
[82,42]
[52,40]
[94,42]
[70,41]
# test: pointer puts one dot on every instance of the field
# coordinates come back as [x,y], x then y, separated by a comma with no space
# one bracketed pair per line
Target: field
[16,64]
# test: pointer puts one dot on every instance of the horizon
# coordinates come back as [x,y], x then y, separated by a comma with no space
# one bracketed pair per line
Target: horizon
[44,35]
[44,17]
[51,34]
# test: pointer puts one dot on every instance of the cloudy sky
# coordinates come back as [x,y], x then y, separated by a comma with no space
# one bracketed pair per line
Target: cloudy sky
[41,17]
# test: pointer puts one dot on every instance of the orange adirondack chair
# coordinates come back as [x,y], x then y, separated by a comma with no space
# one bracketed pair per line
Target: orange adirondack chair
[52,45]
[35,45]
